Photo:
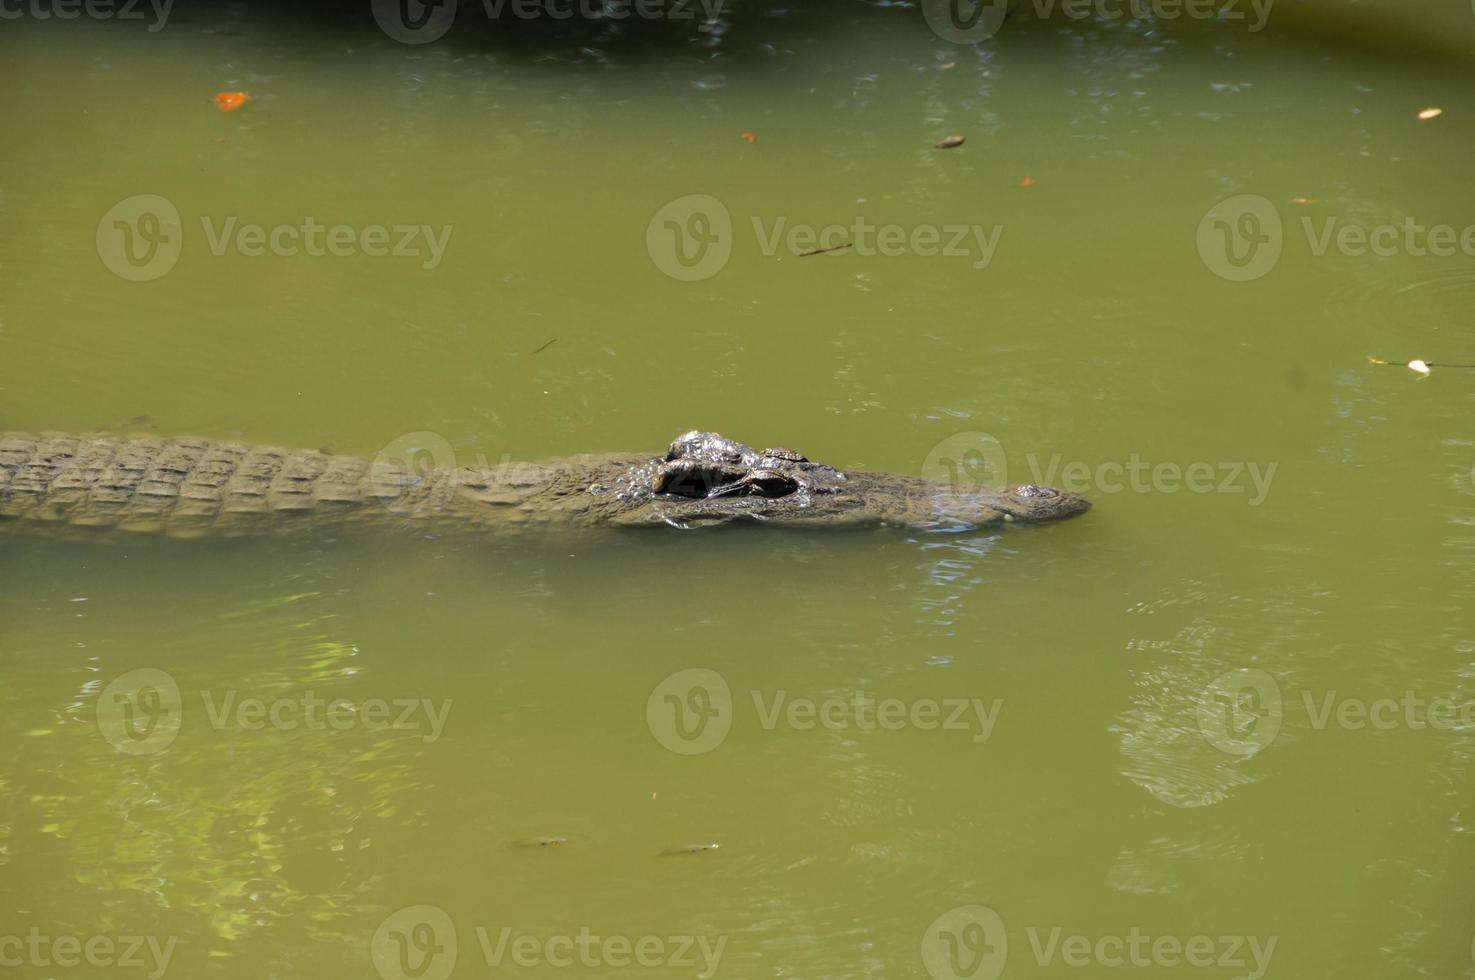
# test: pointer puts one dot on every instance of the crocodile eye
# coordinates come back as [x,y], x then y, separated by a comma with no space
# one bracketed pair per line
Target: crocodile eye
[1034,490]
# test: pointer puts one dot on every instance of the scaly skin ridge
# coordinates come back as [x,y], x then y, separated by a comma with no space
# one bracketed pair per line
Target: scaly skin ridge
[193,487]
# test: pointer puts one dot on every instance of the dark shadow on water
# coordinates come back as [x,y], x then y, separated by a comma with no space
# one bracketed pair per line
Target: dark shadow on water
[749,33]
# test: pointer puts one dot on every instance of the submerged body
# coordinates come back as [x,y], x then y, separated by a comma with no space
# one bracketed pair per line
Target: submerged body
[193,488]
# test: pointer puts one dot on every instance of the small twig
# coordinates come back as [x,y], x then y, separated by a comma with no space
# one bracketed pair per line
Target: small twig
[1417,366]
[546,346]
[821,251]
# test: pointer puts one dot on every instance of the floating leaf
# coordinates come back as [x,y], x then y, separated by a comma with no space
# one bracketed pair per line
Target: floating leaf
[948,142]
[230,101]
[1432,112]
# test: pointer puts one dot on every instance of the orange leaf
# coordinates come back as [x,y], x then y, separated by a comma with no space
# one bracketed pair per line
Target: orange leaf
[1026,181]
[749,138]
[229,101]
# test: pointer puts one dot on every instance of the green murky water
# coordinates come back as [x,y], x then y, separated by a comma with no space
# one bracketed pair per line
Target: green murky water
[1218,726]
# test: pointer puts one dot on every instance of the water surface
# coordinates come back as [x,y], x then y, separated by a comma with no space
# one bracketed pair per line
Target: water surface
[1098,340]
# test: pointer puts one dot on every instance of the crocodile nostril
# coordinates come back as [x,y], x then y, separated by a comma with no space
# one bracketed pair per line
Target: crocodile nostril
[1034,490]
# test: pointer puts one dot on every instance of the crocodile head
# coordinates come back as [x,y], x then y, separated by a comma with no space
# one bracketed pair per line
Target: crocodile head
[705,478]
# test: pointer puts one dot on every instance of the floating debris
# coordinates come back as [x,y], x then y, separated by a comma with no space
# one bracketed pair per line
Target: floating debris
[534,842]
[230,101]
[1025,181]
[1432,112]
[822,251]
[749,138]
[1418,365]
[948,142]
[688,849]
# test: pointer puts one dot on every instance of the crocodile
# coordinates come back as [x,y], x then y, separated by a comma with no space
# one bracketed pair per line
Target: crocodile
[187,487]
